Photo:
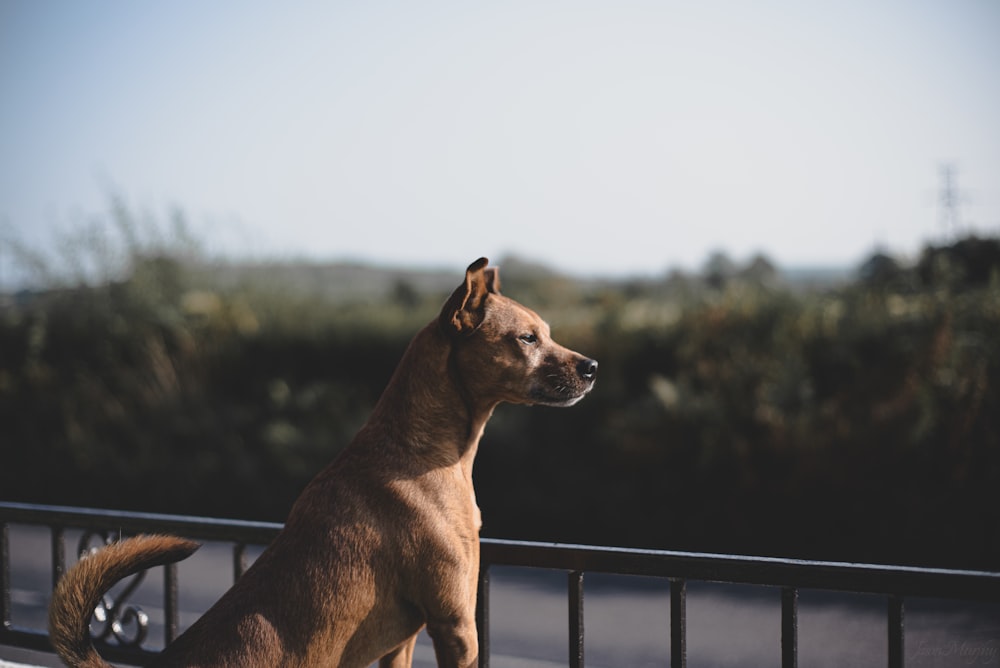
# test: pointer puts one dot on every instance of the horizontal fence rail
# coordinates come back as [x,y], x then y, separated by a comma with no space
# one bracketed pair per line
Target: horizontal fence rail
[896,583]
[791,575]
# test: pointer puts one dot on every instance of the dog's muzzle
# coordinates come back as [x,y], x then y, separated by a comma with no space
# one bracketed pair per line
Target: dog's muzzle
[565,386]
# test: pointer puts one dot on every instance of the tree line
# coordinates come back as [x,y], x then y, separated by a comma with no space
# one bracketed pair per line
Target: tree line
[734,413]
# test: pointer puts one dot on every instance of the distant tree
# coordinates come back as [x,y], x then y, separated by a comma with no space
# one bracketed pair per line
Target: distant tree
[404,294]
[967,263]
[880,270]
[718,270]
[760,271]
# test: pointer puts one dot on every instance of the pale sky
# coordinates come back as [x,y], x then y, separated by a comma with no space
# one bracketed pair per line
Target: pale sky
[599,137]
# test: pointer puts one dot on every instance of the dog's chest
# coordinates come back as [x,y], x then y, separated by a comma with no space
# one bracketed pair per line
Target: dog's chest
[477,516]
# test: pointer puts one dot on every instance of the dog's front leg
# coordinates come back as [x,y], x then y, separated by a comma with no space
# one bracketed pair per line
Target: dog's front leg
[401,657]
[455,642]
[450,610]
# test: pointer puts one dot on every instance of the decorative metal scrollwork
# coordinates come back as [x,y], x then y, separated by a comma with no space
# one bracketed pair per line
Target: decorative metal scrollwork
[115,617]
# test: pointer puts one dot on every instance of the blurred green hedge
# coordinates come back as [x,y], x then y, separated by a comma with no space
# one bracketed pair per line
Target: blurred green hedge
[732,413]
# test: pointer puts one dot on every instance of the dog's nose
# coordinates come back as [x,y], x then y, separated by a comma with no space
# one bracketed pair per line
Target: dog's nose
[587,369]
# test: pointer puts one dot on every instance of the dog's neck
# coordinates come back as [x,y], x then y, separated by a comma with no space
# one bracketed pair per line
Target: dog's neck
[426,408]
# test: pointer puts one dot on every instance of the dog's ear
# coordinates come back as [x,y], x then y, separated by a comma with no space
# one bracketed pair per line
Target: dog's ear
[465,310]
[492,280]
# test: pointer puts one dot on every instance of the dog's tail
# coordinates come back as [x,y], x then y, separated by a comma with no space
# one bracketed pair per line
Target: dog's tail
[79,591]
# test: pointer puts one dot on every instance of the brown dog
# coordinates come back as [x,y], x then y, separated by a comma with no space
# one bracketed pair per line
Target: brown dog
[385,540]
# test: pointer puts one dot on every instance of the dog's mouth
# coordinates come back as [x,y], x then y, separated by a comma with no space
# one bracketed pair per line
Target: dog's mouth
[559,403]
[560,395]
[563,384]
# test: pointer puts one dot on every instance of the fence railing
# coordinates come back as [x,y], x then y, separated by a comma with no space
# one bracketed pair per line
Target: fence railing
[895,583]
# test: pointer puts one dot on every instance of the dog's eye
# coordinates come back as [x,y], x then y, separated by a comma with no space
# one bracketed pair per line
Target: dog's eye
[529,339]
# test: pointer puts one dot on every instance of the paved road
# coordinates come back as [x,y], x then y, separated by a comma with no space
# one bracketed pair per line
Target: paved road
[626,619]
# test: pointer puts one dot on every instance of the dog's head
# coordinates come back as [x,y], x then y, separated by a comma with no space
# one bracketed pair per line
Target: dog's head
[505,351]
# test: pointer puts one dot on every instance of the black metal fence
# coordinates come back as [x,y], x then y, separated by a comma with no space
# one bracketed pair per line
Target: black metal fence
[895,583]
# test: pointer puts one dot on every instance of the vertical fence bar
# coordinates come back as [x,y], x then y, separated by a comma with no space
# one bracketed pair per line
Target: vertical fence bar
[239,560]
[576,619]
[170,613]
[789,627]
[483,615]
[896,632]
[58,554]
[678,624]
[5,620]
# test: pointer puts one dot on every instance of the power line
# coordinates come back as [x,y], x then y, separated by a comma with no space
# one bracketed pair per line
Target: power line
[949,200]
